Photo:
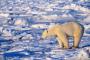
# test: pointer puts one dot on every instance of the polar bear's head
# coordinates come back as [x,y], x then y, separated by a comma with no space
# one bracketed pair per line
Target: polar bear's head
[44,34]
[47,33]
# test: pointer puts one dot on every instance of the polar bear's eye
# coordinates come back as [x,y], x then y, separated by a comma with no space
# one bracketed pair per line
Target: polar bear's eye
[47,31]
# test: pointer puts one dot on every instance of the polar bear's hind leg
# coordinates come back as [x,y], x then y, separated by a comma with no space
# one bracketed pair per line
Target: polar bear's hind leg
[77,37]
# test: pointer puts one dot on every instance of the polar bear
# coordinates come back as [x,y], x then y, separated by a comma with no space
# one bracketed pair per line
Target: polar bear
[63,31]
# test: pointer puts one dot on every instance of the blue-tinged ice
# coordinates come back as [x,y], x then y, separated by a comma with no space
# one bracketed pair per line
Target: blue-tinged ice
[23,21]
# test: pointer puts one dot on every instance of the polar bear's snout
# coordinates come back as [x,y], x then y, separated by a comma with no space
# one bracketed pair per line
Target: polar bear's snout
[44,34]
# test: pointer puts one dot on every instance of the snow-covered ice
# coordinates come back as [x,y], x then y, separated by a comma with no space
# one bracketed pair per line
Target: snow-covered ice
[23,21]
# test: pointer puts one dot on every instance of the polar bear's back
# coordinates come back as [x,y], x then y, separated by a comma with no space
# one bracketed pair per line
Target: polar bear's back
[69,27]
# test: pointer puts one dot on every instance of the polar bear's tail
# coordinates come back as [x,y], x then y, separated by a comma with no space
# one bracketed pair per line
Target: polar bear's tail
[82,29]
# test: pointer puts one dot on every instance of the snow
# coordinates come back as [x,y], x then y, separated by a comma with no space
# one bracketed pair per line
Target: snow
[76,7]
[39,26]
[87,20]
[50,17]
[23,21]
[4,15]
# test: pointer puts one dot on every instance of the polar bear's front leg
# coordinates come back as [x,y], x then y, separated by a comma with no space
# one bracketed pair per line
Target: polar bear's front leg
[62,36]
[60,42]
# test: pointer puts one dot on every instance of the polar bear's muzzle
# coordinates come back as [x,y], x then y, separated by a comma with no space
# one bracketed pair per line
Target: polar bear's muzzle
[43,37]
